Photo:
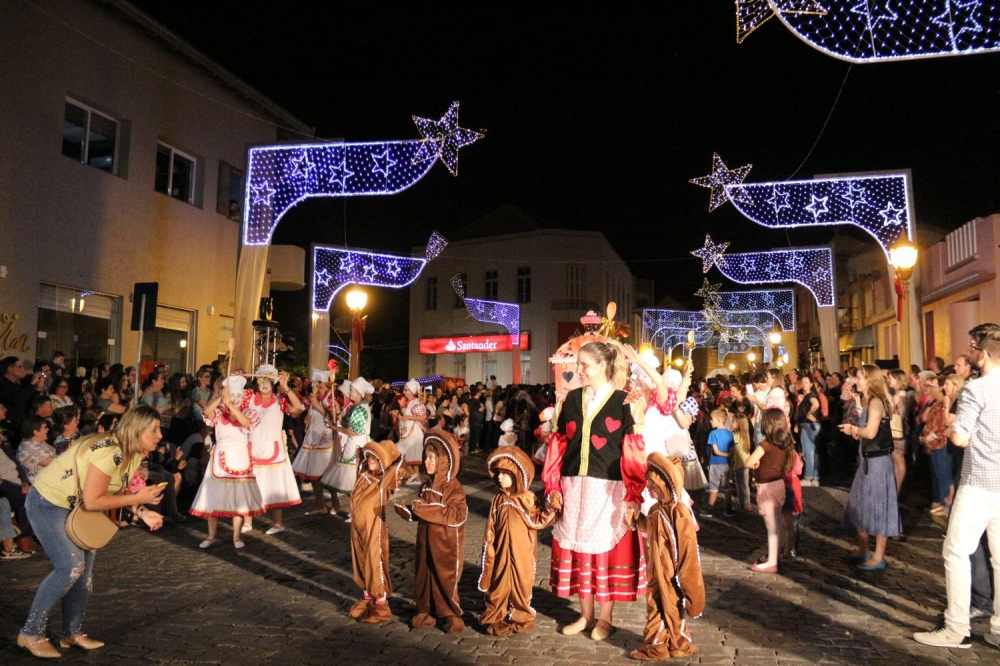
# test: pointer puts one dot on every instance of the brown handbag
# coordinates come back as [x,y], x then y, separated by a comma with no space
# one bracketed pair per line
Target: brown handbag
[90,530]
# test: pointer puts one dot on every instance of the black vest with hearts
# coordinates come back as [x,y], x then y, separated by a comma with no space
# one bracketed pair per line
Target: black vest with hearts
[604,439]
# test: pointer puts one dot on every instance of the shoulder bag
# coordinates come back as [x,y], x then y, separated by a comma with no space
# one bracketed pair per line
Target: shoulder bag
[90,530]
[881,443]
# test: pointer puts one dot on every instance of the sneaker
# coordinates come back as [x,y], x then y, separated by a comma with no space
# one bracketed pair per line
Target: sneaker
[729,513]
[702,513]
[992,639]
[207,543]
[978,614]
[275,529]
[14,554]
[943,637]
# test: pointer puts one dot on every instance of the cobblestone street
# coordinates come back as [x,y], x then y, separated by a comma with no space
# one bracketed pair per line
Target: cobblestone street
[283,599]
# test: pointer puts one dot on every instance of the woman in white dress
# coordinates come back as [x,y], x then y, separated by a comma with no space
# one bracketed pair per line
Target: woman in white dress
[316,453]
[228,489]
[268,452]
[411,431]
[354,431]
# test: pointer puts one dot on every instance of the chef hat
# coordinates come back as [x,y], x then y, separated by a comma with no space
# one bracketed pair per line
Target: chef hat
[672,378]
[546,414]
[507,425]
[362,386]
[345,388]
[266,371]
[320,375]
[236,384]
[413,386]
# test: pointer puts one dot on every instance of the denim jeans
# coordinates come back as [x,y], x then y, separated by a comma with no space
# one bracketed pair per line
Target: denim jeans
[975,511]
[70,582]
[808,433]
[6,524]
[941,478]
[16,498]
[982,578]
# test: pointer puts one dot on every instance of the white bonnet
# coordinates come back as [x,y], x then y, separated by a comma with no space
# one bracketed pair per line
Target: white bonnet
[236,384]
[267,370]
[413,386]
[507,425]
[672,378]
[362,386]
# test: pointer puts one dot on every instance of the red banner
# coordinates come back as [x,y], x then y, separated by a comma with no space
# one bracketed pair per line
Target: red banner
[474,344]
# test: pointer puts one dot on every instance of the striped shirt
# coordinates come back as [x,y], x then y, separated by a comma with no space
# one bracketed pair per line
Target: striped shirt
[978,419]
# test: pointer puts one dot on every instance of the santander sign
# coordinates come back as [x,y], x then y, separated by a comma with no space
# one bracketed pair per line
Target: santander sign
[471,344]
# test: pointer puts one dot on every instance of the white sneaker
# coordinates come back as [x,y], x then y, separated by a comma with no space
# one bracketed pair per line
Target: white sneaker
[415,481]
[238,544]
[943,637]
[276,529]
[347,520]
[246,528]
[207,543]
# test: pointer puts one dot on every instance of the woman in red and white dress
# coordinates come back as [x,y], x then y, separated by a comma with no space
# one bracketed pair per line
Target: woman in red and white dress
[317,451]
[268,452]
[411,431]
[356,426]
[228,489]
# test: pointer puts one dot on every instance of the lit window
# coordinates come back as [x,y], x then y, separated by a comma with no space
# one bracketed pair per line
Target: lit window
[90,137]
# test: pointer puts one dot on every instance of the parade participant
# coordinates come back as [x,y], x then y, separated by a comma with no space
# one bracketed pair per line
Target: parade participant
[674,581]
[441,511]
[102,466]
[411,429]
[354,431]
[268,452]
[377,481]
[771,461]
[510,544]
[594,475]
[228,489]
[316,453]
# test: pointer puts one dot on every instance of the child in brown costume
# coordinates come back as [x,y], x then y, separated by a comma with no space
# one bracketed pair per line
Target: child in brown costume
[441,511]
[510,544]
[378,478]
[673,567]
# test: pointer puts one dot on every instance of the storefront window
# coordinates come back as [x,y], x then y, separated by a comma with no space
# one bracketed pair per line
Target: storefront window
[83,324]
[172,342]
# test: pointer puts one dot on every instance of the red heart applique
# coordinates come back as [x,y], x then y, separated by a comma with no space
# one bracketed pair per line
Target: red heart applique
[570,429]
[612,424]
[598,442]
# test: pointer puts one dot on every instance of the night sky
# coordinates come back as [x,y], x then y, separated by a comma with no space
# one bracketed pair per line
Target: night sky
[597,118]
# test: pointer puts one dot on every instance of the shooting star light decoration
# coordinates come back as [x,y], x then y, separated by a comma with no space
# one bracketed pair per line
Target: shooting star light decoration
[507,315]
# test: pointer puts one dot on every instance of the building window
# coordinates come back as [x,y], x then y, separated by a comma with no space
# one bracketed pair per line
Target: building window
[489,366]
[576,275]
[459,300]
[175,173]
[172,341]
[230,195]
[431,294]
[525,367]
[458,363]
[83,324]
[491,286]
[90,137]
[524,285]
[430,365]
[225,332]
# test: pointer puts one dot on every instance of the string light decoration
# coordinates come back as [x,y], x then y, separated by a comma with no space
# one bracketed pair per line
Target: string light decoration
[336,267]
[810,267]
[878,204]
[778,302]
[864,31]
[507,315]
[341,353]
[657,323]
[279,177]
[751,14]
[720,180]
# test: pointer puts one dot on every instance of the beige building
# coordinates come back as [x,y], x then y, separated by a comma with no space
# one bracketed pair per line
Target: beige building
[959,289]
[122,162]
[554,274]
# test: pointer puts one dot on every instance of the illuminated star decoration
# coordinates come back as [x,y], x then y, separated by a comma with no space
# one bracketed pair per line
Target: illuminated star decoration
[709,292]
[711,254]
[810,267]
[864,31]
[336,267]
[659,324]
[507,315]
[443,138]
[280,176]
[778,302]
[751,14]
[863,201]
[719,181]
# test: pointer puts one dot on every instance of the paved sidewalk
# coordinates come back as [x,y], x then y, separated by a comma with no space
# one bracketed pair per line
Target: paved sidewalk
[283,599]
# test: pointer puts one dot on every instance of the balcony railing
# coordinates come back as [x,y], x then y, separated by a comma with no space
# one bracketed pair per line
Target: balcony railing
[962,246]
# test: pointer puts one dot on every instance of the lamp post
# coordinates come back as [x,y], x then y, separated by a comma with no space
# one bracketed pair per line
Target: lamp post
[356,301]
[775,339]
[751,357]
[903,257]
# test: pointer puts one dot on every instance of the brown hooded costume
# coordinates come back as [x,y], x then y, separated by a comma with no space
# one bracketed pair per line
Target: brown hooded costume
[673,566]
[510,546]
[369,535]
[441,510]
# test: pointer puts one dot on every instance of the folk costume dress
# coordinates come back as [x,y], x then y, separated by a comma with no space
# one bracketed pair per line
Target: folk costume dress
[675,586]
[268,453]
[369,535]
[342,475]
[317,451]
[510,546]
[411,433]
[595,464]
[228,488]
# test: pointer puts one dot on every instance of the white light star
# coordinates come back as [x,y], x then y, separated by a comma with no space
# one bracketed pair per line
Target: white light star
[369,272]
[773,270]
[392,268]
[891,216]
[301,166]
[387,159]
[262,194]
[443,138]
[873,16]
[347,262]
[323,277]
[711,254]
[819,209]
[795,263]
[951,16]
[340,173]
[719,179]
[779,200]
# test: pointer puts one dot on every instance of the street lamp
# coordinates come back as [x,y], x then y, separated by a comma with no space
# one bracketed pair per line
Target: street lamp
[732,367]
[356,302]
[775,339]
[903,257]
[751,357]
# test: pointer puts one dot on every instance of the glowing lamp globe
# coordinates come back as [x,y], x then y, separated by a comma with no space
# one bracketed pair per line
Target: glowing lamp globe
[751,357]
[679,362]
[775,338]
[732,367]
[357,299]
[903,257]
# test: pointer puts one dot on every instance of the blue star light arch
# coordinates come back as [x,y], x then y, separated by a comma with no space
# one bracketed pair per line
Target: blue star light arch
[504,314]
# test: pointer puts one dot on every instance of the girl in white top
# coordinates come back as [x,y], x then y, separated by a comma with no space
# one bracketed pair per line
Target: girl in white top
[316,454]
[508,436]
[411,430]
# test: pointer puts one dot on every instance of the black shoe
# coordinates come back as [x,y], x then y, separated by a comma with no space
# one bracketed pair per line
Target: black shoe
[978,614]
[728,513]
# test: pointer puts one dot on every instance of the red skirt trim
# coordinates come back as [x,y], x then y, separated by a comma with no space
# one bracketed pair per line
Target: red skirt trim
[282,505]
[226,514]
[300,475]
[617,575]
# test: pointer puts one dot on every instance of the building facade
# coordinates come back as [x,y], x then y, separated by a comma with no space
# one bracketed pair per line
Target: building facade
[555,275]
[122,163]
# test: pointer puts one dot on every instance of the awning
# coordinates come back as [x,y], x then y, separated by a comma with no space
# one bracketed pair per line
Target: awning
[860,339]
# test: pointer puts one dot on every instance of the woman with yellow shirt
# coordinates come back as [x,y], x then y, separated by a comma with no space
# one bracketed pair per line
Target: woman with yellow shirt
[105,463]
